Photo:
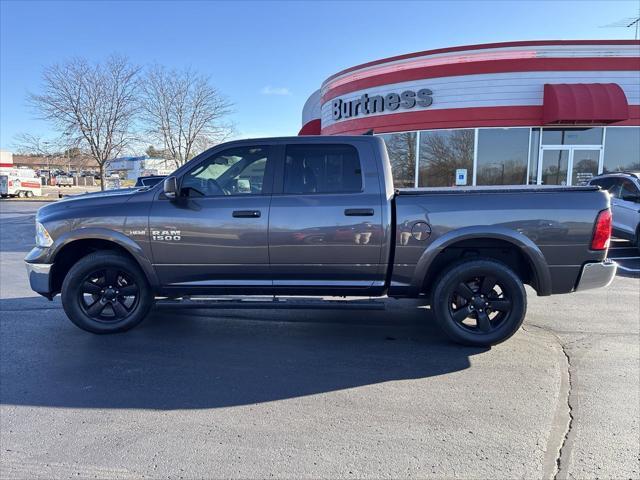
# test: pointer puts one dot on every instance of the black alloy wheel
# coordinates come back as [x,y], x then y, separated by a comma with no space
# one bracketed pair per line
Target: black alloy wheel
[108,295]
[479,302]
[106,292]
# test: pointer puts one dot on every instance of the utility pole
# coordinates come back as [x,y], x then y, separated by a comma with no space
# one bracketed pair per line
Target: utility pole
[46,156]
[67,157]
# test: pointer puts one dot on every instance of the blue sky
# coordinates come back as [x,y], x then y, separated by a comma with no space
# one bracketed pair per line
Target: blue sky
[267,57]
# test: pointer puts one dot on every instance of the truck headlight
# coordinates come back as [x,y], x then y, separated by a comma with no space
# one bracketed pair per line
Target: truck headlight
[43,239]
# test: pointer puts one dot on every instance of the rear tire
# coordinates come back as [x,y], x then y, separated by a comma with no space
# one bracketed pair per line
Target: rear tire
[106,292]
[479,302]
[29,194]
[21,194]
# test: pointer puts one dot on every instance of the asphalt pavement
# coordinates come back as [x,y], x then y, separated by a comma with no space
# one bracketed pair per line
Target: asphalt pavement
[316,394]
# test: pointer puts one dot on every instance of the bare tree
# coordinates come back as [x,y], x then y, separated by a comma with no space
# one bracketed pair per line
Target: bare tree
[32,144]
[38,146]
[93,104]
[183,111]
[402,155]
[56,151]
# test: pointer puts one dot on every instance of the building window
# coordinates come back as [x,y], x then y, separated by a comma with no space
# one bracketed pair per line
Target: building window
[442,152]
[402,155]
[572,136]
[533,156]
[502,156]
[622,149]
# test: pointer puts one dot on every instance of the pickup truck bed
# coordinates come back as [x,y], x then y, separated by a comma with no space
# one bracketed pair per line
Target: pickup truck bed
[551,226]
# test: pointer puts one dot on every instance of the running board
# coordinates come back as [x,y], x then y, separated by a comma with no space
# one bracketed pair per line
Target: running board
[274,303]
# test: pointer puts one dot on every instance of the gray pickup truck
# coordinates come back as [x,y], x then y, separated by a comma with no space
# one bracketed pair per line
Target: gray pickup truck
[312,217]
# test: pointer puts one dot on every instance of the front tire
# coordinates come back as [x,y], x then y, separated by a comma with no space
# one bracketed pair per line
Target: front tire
[479,302]
[106,292]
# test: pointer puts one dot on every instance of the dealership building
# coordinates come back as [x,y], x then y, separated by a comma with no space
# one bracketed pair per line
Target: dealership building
[531,112]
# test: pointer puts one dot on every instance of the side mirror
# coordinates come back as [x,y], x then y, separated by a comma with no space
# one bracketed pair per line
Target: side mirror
[631,197]
[170,188]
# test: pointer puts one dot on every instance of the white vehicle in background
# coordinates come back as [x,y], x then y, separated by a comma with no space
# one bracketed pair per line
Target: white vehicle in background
[624,188]
[64,181]
[19,182]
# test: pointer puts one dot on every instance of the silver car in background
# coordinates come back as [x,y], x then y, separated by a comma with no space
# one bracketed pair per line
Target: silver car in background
[624,188]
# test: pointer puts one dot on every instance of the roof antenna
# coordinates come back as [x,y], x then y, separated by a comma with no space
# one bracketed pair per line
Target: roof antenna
[627,22]
[368,132]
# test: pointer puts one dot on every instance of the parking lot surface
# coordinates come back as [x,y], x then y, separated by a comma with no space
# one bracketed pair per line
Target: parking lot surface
[316,394]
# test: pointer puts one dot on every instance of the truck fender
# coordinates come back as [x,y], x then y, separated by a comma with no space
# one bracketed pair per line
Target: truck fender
[113,236]
[525,244]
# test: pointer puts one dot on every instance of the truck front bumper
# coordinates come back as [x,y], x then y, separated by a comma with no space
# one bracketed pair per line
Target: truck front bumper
[596,275]
[40,278]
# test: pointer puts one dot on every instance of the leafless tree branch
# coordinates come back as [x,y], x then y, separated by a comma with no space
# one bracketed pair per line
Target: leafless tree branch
[91,104]
[183,111]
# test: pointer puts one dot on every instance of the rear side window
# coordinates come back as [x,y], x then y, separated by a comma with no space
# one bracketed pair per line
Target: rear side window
[322,169]
[603,183]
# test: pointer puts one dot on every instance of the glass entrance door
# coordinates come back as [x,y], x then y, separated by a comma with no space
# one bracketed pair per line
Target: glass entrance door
[571,165]
[554,166]
[584,165]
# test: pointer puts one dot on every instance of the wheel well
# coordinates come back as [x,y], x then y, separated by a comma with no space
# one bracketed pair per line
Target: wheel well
[501,250]
[74,251]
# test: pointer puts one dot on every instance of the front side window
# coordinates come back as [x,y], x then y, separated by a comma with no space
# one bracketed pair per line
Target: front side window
[237,171]
[628,189]
[322,169]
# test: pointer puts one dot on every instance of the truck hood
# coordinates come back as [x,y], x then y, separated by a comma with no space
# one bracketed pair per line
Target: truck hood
[88,201]
[105,193]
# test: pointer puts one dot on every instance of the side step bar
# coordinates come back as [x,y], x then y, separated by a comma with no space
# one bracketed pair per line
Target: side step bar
[311,303]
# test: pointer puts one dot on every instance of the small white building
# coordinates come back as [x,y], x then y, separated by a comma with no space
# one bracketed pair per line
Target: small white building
[130,168]
[6,159]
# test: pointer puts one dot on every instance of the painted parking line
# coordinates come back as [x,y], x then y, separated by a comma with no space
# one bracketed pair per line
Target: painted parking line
[632,270]
[626,255]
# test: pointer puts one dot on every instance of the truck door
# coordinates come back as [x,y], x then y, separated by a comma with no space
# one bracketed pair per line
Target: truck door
[214,234]
[326,228]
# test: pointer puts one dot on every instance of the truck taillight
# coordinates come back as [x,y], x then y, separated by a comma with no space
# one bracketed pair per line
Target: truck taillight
[11,183]
[602,231]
